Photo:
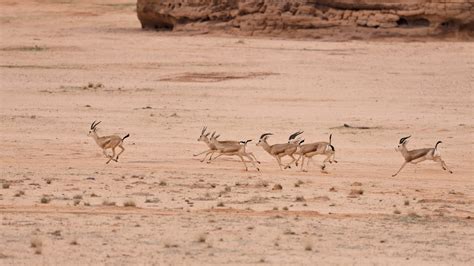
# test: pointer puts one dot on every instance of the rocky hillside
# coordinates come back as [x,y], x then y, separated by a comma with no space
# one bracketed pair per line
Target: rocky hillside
[334,19]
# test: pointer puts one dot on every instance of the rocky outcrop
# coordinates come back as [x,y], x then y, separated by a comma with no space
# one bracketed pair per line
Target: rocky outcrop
[335,19]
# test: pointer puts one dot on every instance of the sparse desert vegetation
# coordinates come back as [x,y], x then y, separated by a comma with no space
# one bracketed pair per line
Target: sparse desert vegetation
[107,202]
[19,193]
[45,199]
[129,203]
[201,238]
[37,245]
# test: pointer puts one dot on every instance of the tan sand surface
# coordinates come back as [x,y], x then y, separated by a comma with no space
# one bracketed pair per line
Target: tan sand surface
[162,88]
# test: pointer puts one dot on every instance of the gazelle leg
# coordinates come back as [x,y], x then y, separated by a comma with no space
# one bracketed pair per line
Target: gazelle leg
[111,157]
[302,164]
[205,156]
[443,164]
[113,154]
[328,158]
[298,160]
[252,161]
[212,159]
[243,161]
[278,161]
[122,150]
[200,153]
[255,158]
[105,153]
[293,159]
[403,165]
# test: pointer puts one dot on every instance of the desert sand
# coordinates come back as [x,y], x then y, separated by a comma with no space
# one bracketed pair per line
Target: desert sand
[60,203]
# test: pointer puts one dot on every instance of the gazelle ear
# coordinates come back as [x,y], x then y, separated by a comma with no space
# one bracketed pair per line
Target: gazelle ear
[208,133]
[218,136]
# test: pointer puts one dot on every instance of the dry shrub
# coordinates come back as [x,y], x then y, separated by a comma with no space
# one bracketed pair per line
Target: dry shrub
[356,192]
[129,203]
[397,212]
[299,183]
[37,244]
[300,198]
[277,187]
[154,200]
[201,238]
[169,245]
[20,193]
[6,185]
[45,199]
[108,203]
[78,196]
[261,183]
[220,204]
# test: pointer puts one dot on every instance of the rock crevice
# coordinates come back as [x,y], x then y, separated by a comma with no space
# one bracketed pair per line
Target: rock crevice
[342,19]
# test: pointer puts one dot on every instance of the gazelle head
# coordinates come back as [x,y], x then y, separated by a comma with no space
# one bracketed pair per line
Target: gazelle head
[204,135]
[263,138]
[293,139]
[402,143]
[93,127]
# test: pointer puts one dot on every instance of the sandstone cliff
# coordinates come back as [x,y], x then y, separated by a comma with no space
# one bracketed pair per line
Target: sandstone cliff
[336,19]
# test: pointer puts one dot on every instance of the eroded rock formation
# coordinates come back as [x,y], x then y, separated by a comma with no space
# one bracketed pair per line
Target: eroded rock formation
[339,19]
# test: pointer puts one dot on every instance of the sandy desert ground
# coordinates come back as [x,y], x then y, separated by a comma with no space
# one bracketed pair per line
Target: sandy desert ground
[61,204]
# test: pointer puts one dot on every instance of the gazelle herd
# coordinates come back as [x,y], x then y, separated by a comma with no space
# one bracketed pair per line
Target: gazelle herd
[294,147]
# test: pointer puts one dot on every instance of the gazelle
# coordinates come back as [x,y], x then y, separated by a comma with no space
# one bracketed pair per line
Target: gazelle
[317,148]
[419,155]
[280,150]
[231,148]
[107,142]
[205,138]
[232,142]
